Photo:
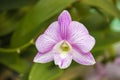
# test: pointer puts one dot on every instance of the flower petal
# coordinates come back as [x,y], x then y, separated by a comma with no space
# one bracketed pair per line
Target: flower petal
[79,37]
[63,61]
[46,41]
[43,58]
[117,61]
[83,43]
[64,21]
[77,29]
[85,59]
[112,71]
[53,31]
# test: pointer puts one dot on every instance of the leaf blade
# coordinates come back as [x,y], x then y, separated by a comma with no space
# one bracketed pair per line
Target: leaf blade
[105,5]
[44,72]
[35,17]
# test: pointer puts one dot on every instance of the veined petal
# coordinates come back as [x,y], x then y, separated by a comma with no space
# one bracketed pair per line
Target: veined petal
[64,21]
[80,37]
[46,41]
[62,60]
[53,31]
[43,58]
[85,59]
[77,29]
[84,43]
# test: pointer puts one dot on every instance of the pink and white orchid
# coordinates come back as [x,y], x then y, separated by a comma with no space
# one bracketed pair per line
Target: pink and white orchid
[65,40]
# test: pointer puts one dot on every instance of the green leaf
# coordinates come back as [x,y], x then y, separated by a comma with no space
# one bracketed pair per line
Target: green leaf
[104,39]
[44,72]
[82,9]
[14,62]
[41,12]
[13,4]
[75,72]
[95,22]
[6,25]
[105,5]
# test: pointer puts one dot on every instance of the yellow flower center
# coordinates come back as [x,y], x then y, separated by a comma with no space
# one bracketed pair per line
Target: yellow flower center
[64,47]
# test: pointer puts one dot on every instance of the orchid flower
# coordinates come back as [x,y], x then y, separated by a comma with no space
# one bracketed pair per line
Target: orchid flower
[63,41]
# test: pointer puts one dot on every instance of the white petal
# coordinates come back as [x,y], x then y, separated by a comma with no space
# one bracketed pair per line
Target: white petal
[46,41]
[53,31]
[44,58]
[77,29]
[84,43]
[80,37]
[81,58]
[62,62]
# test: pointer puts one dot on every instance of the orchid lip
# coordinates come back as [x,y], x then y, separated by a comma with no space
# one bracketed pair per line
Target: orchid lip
[63,47]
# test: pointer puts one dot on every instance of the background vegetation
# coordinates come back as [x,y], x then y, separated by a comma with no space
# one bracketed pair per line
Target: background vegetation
[21,21]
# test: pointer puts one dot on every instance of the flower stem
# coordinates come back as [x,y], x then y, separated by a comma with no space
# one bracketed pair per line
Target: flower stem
[18,49]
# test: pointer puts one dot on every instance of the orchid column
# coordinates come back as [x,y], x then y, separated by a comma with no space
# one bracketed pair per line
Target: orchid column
[65,40]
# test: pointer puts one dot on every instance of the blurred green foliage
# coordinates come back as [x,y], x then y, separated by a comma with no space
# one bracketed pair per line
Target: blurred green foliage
[21,21]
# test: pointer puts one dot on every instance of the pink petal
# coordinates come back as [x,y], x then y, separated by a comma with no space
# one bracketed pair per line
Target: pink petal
[80,37]
[113,71]
[44,58]
[62,62]
[45,42]
[84,43]
[77,29]
[85,59]
[64,21]
[100,69]
[53,31]
[117,61]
